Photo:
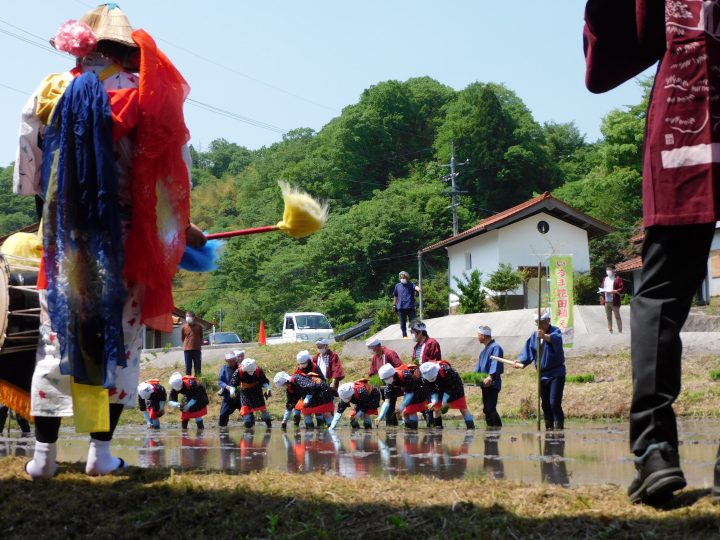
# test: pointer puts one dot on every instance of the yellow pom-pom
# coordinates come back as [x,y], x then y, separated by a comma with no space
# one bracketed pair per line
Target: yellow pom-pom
[303,215]
[26,247]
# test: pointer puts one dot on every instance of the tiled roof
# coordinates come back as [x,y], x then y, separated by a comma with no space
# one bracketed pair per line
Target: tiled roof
[541,201]
[628,266]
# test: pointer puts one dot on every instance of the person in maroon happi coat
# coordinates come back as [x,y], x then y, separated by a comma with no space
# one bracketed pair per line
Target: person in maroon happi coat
[681,200]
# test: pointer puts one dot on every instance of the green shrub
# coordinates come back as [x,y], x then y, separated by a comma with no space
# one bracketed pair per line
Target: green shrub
[715,375]
[584,378]
[473,377]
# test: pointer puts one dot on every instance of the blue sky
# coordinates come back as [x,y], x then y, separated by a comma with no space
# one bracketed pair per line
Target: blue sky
[297,63]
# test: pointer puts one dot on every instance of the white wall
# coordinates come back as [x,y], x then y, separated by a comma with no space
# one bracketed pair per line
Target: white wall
[713,284]
[519,244]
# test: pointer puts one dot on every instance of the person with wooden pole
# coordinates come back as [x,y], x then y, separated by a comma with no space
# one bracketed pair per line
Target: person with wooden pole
[551,367]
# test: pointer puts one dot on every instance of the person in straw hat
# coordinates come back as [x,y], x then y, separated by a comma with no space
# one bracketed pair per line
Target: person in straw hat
[114,124]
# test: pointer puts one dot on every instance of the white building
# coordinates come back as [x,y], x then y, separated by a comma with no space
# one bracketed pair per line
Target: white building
[522,236]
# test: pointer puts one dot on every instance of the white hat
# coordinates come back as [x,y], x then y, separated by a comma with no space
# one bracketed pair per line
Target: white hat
[372,343]
[144,390]
[302,357]
[281,378]
[322,341]
[249,365]
[238,352]
[386,371]
[429,371]
[417,326]
[346,391]
[230,356]
[546,316]
[484,330]
[176,381]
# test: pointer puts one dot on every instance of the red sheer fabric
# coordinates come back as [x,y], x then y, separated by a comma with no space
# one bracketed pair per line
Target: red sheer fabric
[160,182]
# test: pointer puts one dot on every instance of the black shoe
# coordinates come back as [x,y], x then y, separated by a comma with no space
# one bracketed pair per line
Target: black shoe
[429,420]
[438,423]
[470,424]
[658,475]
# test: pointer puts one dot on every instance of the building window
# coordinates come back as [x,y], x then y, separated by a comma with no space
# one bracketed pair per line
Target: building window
[468,261]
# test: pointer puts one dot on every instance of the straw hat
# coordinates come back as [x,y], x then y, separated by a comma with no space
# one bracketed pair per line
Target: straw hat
[109,22]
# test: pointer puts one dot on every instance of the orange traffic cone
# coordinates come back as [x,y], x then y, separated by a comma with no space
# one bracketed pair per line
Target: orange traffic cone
[261,334]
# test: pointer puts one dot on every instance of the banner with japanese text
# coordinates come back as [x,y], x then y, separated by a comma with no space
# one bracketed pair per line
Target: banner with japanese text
[561,296]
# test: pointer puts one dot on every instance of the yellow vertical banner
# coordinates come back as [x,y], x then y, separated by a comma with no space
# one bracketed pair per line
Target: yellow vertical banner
[561,296]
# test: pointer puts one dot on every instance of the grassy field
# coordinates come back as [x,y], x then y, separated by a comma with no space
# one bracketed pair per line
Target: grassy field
[607,397]
[199,504]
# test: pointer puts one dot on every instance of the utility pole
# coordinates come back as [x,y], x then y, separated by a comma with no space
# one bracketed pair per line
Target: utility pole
[454,192]
[419,256]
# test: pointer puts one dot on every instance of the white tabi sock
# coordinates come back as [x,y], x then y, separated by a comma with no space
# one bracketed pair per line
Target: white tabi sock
[42,465]
[100,460]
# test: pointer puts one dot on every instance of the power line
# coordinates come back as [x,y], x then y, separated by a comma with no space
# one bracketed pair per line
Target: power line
[14,89]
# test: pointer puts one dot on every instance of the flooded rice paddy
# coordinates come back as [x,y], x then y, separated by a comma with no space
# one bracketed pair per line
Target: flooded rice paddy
[587,453]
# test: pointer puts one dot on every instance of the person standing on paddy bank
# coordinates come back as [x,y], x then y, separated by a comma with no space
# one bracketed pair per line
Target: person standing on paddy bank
[191,333]
[610,290]
[404,300]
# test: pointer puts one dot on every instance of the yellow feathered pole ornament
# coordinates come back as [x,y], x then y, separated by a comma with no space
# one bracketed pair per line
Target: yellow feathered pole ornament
[302,216]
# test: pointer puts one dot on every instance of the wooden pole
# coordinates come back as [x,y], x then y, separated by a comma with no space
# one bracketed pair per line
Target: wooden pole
[540,342]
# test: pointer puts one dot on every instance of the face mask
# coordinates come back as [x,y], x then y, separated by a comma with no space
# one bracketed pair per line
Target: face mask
[609,273]
[322,350]
[189,320]
[403,281]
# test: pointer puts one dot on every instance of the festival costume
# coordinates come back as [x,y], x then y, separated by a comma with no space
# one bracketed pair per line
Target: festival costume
[448,383]
[251,387]
[405,382]
[366,399]
[309,394]
[154,405]
[427,351]
[195,396]
[387,356]
[230,400]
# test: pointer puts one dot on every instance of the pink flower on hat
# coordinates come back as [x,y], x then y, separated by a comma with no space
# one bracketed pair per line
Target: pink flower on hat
[76,38]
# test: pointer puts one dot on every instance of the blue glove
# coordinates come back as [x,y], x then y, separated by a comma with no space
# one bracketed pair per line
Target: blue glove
[335,420]
[189,405]
[407,400]
[174,404]
[306,401]
[434,399]
[147,418]
[446,397]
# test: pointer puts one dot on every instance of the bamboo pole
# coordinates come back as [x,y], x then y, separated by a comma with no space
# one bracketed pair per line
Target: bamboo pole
[540,342]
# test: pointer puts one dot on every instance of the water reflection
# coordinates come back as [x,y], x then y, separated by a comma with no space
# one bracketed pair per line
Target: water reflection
[553,466]
[585,454]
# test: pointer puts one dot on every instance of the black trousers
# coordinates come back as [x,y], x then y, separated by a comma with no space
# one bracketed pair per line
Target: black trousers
[193,359]
[226,409]
[406,315]
[490,399]
[22,423]
[674,266]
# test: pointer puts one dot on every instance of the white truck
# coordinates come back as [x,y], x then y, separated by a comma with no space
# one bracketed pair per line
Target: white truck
[304,326]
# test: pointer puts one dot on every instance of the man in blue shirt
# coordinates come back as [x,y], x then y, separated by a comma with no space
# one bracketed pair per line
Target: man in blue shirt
[404,300]
[552,364]
[492,383]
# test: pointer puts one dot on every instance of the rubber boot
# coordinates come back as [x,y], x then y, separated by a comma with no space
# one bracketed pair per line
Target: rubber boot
[296,420]
[391,419]
[268,422]
[321,421]
[470,424]
[438,422]
[429,420]
[200,425]
[354,423]
[548,426]
[559,426]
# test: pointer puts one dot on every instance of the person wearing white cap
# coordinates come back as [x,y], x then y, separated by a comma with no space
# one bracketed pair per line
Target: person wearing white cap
[151,401]
[405,381]
[308,394]
[426,349]
[552,364]
[307,366]
[381,355]
[195,399]
[492,384]
[404,300]
[100,131]
[447,391]
[328,362]
[230,402]
[254,390]
[366,399]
